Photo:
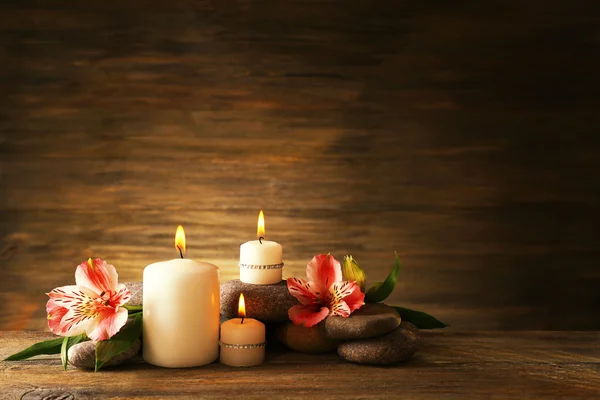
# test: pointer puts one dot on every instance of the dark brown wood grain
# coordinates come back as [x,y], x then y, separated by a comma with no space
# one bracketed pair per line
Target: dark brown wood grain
[462,135]
[450,365]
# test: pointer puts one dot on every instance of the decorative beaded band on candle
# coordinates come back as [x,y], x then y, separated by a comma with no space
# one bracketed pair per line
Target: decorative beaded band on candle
[252,266]
[242,346]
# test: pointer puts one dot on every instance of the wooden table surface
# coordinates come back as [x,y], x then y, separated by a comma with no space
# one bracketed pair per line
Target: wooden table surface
[450,365]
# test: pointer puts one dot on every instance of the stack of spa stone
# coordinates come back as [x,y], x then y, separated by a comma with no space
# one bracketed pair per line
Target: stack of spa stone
[374,334]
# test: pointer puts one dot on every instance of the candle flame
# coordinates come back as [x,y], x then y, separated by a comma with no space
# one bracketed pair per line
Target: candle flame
[180,239]
[242,307]
[260,230]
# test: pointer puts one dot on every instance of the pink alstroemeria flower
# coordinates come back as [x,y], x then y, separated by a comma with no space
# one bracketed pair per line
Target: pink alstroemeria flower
[91,306]
[324,293]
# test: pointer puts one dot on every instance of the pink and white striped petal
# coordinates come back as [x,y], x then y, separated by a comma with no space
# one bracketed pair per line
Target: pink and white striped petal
[347,292]
[107,323]
[121,297]
[97,275]
[340,309]
[356,299]
[324,270]
[305,292]
[308,315]
[72,296]
[76,321]
[55,315]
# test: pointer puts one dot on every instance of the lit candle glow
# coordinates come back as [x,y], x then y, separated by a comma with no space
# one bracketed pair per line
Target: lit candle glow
[260,228]
[261,261]
[242,307]
[242,340]
[180,240]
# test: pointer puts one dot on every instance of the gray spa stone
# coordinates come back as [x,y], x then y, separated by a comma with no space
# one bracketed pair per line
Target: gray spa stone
[83,355]
[266,303]
[136,289]
[397,346]
[368,321]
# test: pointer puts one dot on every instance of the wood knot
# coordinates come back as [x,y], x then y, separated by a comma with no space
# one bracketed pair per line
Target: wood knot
[8,252]
[48,394]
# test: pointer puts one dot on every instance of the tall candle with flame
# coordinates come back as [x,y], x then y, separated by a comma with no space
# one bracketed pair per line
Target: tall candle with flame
[242,340]
[181,311]
[261,261]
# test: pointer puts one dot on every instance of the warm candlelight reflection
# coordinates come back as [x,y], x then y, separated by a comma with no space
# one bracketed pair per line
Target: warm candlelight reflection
[242,307]
[180,240]
[260,231]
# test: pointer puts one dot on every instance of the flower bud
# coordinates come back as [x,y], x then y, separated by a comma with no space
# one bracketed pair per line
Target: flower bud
[353,272]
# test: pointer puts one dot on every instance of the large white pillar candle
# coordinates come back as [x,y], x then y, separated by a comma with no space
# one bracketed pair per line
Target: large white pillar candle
[242,341]
[181,312]
[261,261]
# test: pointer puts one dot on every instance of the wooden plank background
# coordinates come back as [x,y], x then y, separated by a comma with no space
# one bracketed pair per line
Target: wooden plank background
[462,135]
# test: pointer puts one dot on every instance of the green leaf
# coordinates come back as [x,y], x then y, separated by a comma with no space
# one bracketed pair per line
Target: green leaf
[381,290]
[420,319]
[51,346]
[66,344]
[132,308]
[124,339]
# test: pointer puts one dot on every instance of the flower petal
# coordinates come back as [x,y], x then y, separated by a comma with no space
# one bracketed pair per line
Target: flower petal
[356,299]
[341,309]
[55,315]
[324,270]
[305,292]
[347,293]
[107,323]
[309,315]
[71,296]
[97,275]
[81,306]
[75,322]
[121,297]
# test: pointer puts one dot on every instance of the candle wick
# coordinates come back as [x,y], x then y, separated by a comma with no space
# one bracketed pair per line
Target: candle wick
[242,320]
[180,252]
[260,239]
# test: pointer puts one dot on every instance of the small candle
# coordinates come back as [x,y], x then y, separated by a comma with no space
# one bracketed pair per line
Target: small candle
[242,340]
[261,261]
[181,311]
